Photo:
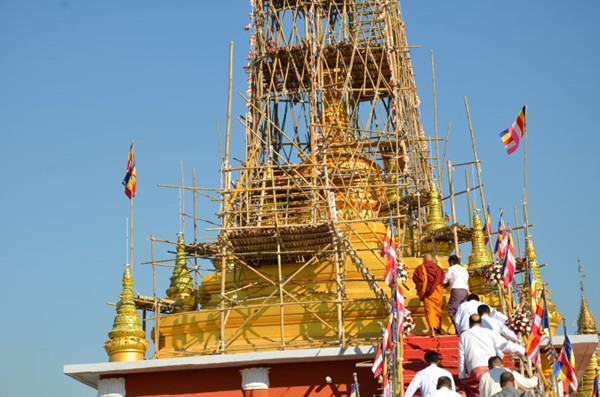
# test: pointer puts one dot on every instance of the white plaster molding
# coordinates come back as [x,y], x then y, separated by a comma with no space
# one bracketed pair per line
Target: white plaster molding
[255,378]
[111,387]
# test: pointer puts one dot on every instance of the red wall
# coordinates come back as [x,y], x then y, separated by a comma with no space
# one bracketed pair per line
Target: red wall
[290,380]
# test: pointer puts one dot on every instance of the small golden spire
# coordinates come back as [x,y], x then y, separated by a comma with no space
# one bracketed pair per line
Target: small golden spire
[182,288]
[127,339]
[479,255]
[531,256]
[586,324]
[434,217]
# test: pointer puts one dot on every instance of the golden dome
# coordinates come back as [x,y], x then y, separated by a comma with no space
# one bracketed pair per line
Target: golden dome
[479,255]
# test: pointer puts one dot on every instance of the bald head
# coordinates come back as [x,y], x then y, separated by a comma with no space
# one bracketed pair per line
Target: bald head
[428,257]
[474,320]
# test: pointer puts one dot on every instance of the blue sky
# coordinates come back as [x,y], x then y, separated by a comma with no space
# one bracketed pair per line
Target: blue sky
[79,79]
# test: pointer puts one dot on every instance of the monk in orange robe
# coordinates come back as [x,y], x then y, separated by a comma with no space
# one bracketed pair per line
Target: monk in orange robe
[428,278]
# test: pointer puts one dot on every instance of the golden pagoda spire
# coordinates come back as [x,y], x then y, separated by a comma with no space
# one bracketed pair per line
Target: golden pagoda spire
[182,288]
[479,255]
[434,217]
[127,339]
[586,324]
[434,222]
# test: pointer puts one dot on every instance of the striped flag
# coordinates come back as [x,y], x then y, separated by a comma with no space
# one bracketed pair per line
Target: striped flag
[385,382]
[392,265]
[513,134]
[389,237]
[130,180]
[501,242]
[532,348]
[354,389]
[398,304]
[510,263]
[532,287]
[565,367]
[595,388]
[388,334]
[378,362]
[487,227]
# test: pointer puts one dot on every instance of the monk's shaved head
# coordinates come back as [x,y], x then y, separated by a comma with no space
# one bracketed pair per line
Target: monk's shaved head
[428,257]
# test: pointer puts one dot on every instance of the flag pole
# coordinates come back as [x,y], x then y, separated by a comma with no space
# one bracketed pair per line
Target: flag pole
[131,235]
[526,218]
[435,126]
[355,377]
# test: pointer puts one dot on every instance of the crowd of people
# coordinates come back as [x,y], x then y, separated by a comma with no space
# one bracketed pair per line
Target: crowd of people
[483,339]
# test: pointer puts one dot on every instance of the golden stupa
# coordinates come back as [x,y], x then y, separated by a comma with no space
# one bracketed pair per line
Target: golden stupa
[586,325]
[127,339]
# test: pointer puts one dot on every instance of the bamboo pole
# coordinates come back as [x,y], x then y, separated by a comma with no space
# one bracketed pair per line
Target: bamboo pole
[225,204]
[182,204]
[435,125]
[516,228]
[453,207]
[469,197]
[156,305]
[445,152]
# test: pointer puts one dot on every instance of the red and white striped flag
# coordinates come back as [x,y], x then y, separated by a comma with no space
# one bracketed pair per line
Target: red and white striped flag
[510,263]
[378,362]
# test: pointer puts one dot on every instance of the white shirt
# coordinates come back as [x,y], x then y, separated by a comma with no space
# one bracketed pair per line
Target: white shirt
[458,277]
[477,344]
[465,310]
[426,380]
[445,392]
[490,381]
[498,326]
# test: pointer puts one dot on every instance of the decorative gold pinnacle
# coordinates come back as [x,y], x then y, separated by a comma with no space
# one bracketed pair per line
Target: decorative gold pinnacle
[182,288]
[531,256]
[434,217]
[479,255]
[586,324]
[127,339]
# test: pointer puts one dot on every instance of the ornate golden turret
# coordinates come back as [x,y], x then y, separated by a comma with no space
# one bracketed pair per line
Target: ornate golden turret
[127,339]
[434,222]
[586,325]
[434,217]
[479,255]
[182,288]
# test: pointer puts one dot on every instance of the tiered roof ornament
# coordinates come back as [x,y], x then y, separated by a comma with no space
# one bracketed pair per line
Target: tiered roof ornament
[586,325]
[479,255]
[182,287]
[435,221]
[127,339]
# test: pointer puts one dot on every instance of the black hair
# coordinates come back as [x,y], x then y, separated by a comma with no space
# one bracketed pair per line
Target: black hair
[453,260]
[432,357]
[493,361]
[474,319]
[443,381]
[483,309]
[471,297]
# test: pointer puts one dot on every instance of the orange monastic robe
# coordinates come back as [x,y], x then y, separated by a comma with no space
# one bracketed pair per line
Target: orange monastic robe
[428,278]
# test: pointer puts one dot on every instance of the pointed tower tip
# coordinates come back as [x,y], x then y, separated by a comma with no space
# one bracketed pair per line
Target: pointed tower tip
[127,338]
[479,255]
[586,323]
[181,288]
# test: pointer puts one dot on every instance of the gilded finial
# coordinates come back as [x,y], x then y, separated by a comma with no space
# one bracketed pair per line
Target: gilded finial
[586,324]
[479,255]
[434,217]
[181,288]
[127,339]
[531,257]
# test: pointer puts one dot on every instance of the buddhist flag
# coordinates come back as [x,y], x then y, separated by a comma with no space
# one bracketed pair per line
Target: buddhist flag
[354,389]
[565,367]
[532,287]
[510,262]
[596,388]
[501,242]
[513,134]
[388,338]
[389,237]
[487,227]
[378,362]
[532,348]
[130,181]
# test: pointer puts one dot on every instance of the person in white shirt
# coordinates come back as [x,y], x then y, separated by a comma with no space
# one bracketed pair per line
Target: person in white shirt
[470,307]
[475,346]
[426,379]
[444,388]
[489,322]
[490,381]
[457,278]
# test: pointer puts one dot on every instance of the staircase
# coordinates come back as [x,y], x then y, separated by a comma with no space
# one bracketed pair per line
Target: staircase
[415,348]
